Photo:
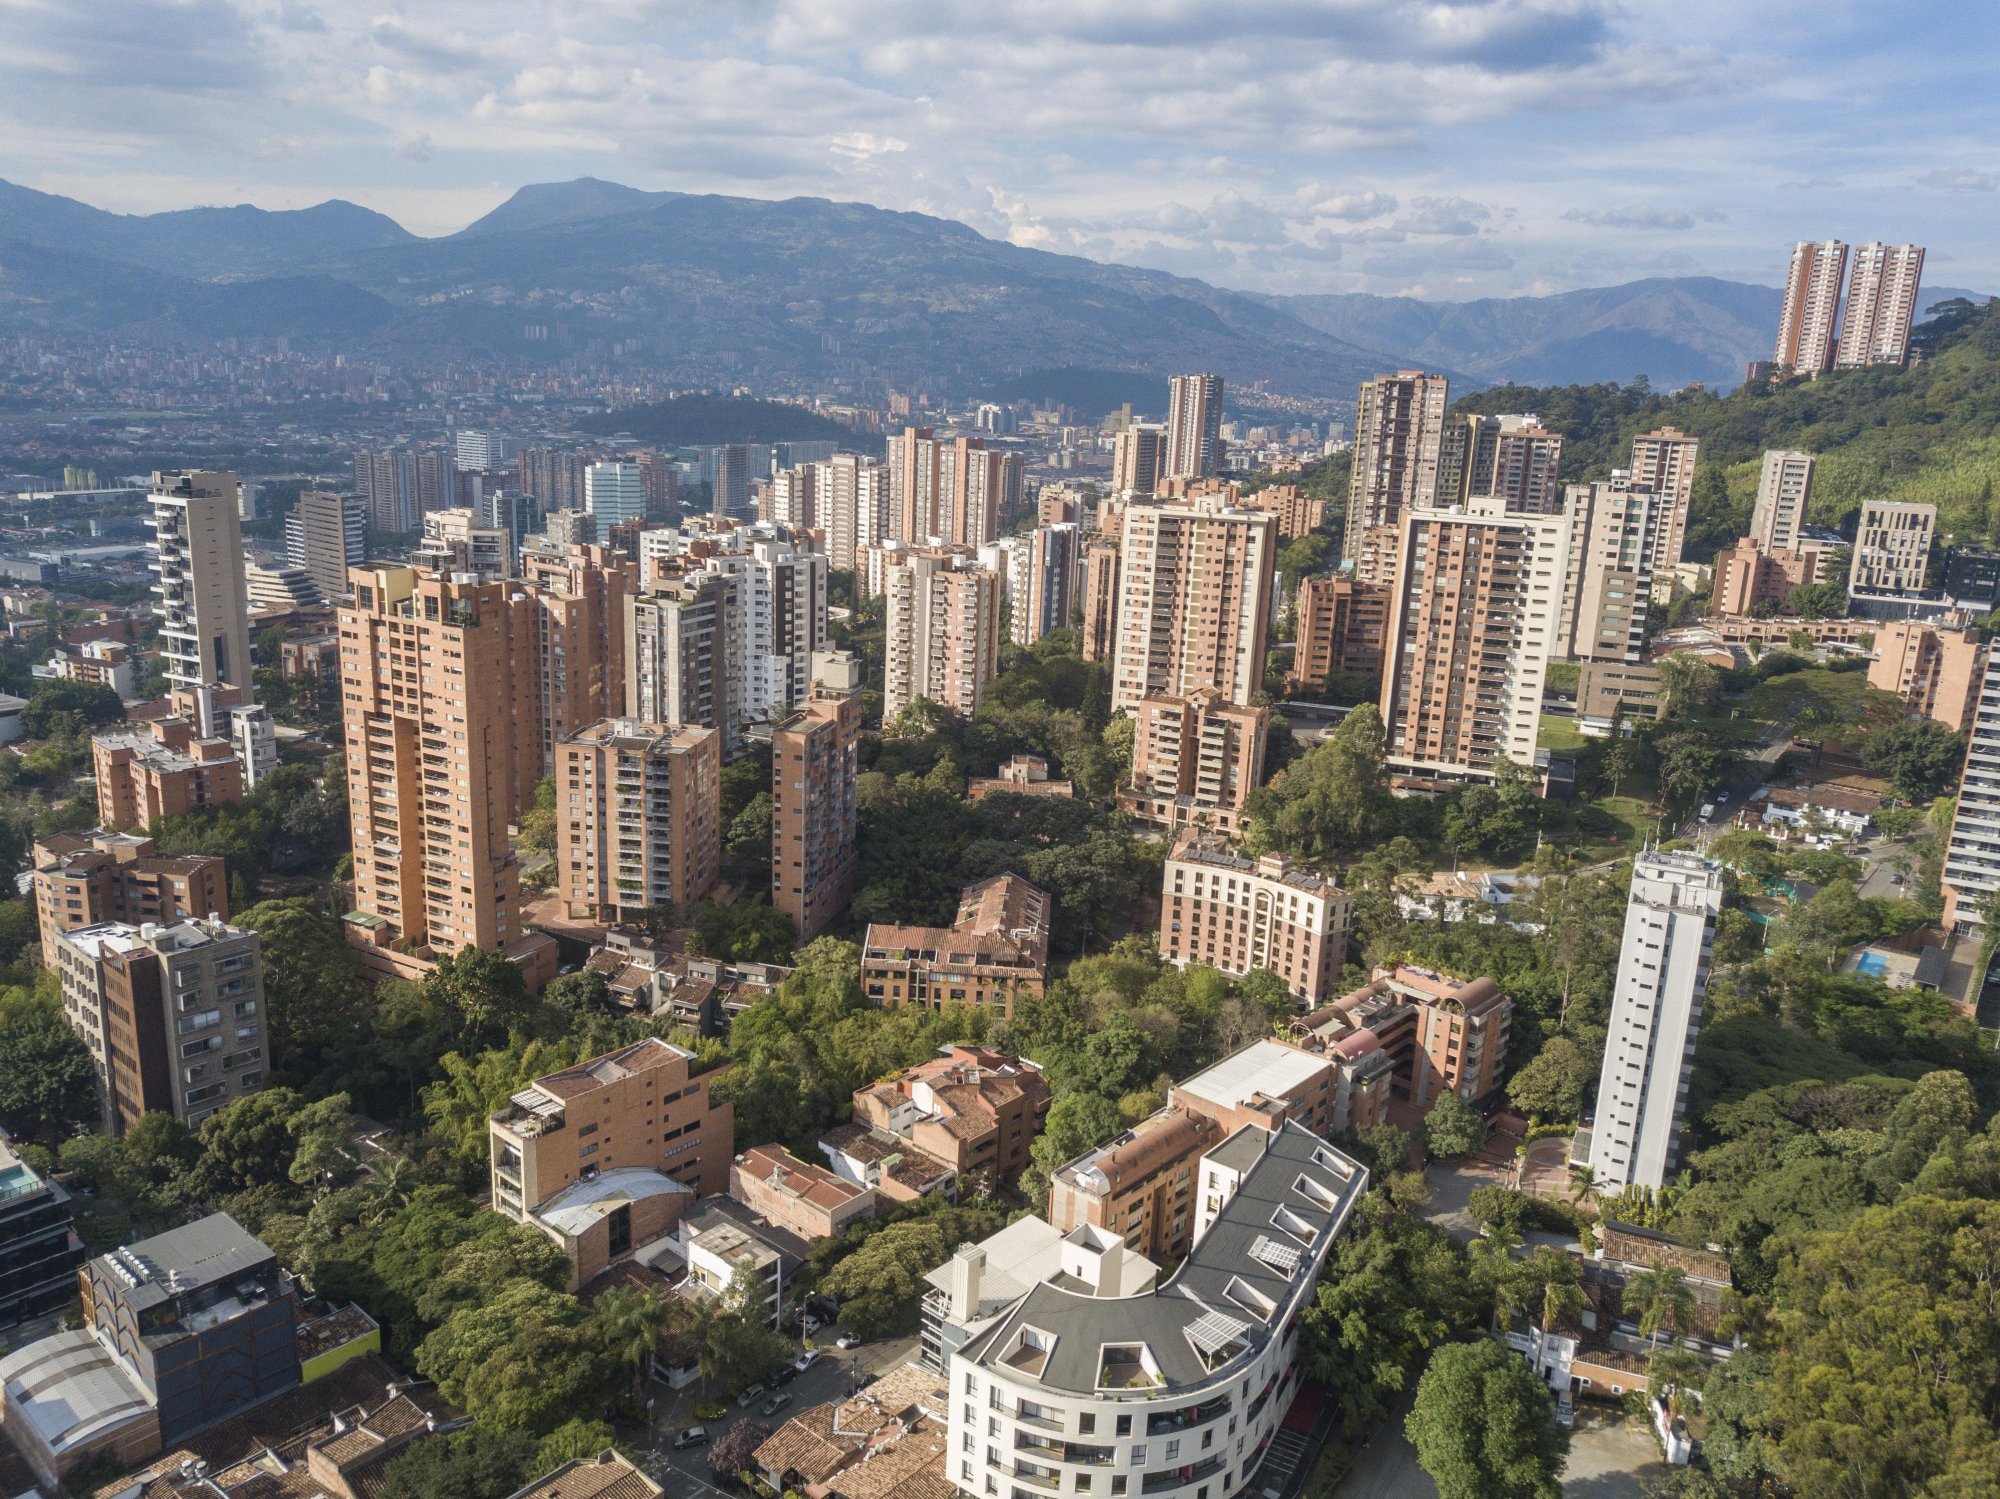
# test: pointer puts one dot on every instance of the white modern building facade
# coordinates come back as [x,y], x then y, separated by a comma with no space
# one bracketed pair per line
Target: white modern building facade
[1655,1015]
[614,493]
[1089,1374]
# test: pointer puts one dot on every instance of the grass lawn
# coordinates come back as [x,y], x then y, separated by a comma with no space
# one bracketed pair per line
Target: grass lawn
[1560,734]
[1635,821]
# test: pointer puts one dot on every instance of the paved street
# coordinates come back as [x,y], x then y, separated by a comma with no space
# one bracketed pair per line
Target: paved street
[835,1375]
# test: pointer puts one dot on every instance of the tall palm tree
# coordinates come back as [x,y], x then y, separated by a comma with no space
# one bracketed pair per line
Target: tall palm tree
[1673,1373]
[1584,1182]
[632,1323]
[1559,1279]
[1660,1298]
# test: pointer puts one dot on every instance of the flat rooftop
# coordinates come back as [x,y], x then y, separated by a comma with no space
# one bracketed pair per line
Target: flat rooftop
[1267,1067]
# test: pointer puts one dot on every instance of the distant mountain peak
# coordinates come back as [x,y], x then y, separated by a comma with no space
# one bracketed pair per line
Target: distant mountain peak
[541,205]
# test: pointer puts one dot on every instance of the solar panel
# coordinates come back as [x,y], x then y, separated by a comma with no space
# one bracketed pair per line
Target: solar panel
[1282,1258]
[1214,1331]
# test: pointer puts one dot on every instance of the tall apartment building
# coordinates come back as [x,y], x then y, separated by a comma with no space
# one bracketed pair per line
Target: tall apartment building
[730,470]
[814,816]
[1881,304]
[1972,856]
[438,678]
[578,595]
[1193,448]
[204,603]
[1811,309]
[1100,596]
[638,817]
[851,505]
[677,654]
[1477,616]
[1194,601]
[777,619]
[1044,581]
[1138,456]
[96,878]
[911,457]
[1398,437]
[455,541]
[1663,461]
[399,488]
[792,498]
[554,478]
[1935,671]
[975,485]
[1514,457]
[943,631]
[1892,547]
[476,450]
[1295,512]
[1195,761]
[995,953]
[162,768]
[324,535]
[1341,624]
[1073,1364]
[607,1156]
[173,1016]
[1608,581]
[1784,489]
[1746,574]
[572,528]
[1237,914]
[614,493]
[1655,1015]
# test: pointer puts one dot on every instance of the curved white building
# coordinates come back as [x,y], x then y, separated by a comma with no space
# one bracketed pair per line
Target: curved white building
[1099,1379]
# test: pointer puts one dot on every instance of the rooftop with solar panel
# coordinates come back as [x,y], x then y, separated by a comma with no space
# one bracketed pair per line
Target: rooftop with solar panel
[1091,1321]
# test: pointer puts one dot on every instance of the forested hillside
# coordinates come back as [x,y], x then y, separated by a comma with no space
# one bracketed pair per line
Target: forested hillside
[1929,433]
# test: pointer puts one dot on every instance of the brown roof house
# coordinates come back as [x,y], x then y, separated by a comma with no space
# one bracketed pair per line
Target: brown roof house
[996,951]
[809,1201]
[888,1442]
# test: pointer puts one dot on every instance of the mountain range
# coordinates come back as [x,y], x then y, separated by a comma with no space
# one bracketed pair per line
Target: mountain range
[723,288]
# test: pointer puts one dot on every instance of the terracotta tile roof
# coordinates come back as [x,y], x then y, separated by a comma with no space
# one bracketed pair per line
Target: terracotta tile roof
[606,1477]
[806,1448]
[777,1169]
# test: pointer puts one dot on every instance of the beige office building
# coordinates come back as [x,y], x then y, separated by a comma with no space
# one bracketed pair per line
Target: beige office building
[1477,615]
[1194,601]
[638,817]
[1398,438]
[1812,308]
[1892,547]
[1881,304]
[1784,489]
[943,631]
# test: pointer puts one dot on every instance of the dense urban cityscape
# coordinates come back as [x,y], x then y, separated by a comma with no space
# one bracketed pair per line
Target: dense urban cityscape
[723,880]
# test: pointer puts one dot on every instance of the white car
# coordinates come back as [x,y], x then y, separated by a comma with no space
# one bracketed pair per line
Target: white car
[1565,1411]
[847,1340]
[806,1360]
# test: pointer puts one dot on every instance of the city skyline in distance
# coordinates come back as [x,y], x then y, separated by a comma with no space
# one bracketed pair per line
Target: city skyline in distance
[1508,148]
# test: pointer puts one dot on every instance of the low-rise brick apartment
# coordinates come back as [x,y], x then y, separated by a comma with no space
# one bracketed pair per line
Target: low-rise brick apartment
[996,952]
[1238,914]
[973,1108]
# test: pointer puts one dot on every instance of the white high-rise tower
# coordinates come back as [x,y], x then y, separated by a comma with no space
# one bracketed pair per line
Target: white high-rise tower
[1655,1013]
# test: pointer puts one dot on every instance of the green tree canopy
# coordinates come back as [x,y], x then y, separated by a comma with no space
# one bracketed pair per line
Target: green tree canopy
[1484,1426]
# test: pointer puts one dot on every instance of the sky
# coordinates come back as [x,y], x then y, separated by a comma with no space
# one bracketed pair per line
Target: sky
[1450,149]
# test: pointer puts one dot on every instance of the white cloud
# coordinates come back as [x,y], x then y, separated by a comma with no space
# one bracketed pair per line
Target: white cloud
[1644,218]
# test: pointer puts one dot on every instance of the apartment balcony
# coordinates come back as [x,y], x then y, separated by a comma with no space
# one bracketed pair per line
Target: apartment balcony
[1164,1480]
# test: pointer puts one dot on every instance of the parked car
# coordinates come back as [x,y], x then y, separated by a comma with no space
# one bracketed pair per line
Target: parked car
[775,1404]
[846,1340]
[806,1360]
[1565,1410]
[823,1307]
[810,1325]
[785,1375]
[751,1396]
[691,1436]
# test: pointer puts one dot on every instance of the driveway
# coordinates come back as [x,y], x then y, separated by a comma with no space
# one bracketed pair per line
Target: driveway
[1609,1458]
